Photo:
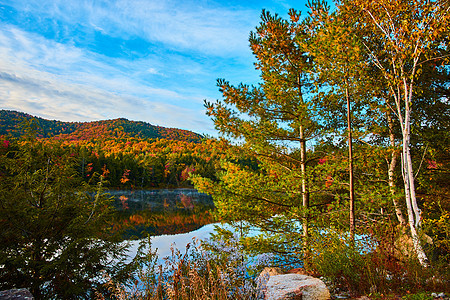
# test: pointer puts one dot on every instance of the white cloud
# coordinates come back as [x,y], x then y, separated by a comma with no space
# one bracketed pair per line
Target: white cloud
[70,102]
[152,71]
[26,53]
[191,43]
[201,26]
[59,81]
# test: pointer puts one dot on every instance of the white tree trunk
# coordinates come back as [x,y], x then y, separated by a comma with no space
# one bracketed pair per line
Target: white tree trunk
[414,216]
[398,61]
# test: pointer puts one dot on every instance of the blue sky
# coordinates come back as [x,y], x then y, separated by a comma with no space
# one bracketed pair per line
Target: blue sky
[144,60]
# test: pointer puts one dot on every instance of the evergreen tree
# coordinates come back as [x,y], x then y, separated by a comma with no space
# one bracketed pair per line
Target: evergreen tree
[274,121]
[55,234]
[339,69]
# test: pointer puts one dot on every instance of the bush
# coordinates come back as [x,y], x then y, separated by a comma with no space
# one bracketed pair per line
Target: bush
[373,263]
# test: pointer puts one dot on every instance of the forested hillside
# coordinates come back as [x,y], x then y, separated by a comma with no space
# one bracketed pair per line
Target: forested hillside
[135,155]
[118,128]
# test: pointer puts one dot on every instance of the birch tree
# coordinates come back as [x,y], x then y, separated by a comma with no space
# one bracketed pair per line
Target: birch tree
[407,35]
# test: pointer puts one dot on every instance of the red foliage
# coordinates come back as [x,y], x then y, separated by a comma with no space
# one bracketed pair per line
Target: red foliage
[432,164]
[124,202]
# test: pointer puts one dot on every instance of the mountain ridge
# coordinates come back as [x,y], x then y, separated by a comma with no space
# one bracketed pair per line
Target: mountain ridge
[10,121]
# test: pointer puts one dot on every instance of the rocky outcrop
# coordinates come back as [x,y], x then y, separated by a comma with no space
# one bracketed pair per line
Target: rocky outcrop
[276,286]
[16,294]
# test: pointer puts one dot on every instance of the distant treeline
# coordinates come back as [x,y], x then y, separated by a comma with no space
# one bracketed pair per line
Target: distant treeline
[131,154]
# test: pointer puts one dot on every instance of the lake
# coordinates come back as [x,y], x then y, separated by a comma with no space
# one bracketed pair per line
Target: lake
[161,211]
[160,199]
[163,243]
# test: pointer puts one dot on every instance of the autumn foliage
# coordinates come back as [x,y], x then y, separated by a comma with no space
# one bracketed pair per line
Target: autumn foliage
[135,155]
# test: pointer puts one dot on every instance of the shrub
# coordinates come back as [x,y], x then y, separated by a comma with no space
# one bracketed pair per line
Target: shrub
[373,263]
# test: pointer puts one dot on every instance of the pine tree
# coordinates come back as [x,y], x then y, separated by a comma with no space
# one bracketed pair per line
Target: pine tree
[55,234]
[274,121]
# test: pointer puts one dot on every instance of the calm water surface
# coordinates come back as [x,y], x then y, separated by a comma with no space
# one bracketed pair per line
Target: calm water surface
[171,203]
[163,243]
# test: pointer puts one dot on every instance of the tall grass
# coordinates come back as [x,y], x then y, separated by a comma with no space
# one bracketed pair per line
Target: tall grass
[193,274]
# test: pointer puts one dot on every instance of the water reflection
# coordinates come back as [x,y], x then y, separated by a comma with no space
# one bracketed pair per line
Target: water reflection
[161,212]
[160,199]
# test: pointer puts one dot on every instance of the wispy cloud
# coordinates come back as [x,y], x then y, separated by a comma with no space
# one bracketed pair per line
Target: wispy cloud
[27,53]
[146,60]
[71,102]
[203,26]
[61,82]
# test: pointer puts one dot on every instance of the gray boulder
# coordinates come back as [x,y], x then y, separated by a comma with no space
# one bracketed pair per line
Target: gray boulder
[275,286]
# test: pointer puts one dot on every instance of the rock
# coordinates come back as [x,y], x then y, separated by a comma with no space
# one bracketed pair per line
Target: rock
[294,286]
[16,294]
[341,296]
[270,271]
[300,271]
[403,245]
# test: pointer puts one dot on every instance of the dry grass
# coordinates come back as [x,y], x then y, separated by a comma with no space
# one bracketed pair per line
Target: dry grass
[194,274]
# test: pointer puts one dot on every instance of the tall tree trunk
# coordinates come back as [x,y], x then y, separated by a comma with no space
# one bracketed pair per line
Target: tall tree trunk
[407,170]
[305,191]
[414,217]
[392,165]
[350,165]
